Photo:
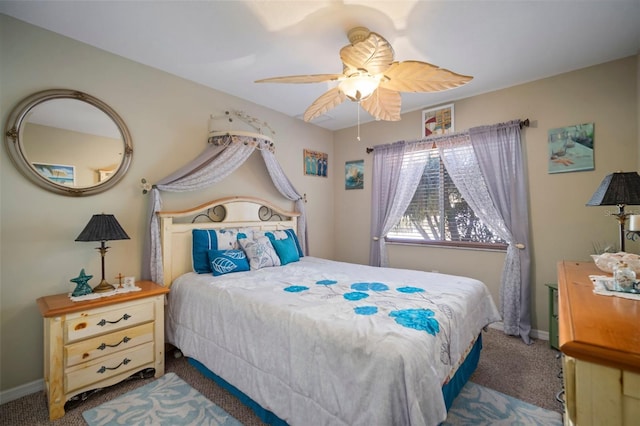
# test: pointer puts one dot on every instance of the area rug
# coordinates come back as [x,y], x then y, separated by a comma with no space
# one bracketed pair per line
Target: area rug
[166,401]
[477,405]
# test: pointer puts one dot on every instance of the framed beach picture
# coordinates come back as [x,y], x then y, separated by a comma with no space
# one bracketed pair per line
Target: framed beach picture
[58,173]
[570,148]
[354,174]
[315,163]
[438,121]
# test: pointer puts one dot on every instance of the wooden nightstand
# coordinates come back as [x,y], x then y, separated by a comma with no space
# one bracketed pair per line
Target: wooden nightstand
[97,343]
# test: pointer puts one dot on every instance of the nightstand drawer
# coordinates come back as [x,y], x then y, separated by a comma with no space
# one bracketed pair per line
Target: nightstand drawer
[106,367]
[107,320]
[88,350]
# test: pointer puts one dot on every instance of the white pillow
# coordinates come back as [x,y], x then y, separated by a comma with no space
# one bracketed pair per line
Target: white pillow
[260,252]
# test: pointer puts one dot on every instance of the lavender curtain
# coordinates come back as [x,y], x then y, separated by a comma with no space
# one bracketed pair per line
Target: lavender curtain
[397,169]
[214,164]
[387,164]
[499,153]
[486,165]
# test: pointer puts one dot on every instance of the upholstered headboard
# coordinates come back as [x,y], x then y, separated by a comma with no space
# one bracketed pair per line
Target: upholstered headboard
[232,212]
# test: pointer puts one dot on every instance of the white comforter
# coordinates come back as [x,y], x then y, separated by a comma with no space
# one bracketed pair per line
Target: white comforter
[320,342]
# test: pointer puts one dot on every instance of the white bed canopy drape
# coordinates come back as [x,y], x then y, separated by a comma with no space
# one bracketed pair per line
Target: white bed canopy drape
[216,162]
[486,165]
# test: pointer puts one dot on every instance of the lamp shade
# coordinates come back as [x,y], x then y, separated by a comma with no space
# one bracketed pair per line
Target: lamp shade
[359,87]
[620,188]
[102,227]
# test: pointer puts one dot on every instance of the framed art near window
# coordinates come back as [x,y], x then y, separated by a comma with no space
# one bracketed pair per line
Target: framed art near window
[571,148]
[315,163]
[354,174]
[438,121]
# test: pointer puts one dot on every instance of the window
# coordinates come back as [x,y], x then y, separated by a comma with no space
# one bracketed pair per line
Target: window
[439,215]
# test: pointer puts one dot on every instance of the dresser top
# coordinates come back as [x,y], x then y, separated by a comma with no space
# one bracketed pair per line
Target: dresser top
[61,304]
[600,329]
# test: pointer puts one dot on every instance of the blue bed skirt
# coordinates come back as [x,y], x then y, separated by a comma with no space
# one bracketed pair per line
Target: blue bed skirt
[450,390]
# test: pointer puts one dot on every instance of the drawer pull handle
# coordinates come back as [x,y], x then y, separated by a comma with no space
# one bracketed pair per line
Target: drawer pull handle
[104,322]
[124,362]
[103,346]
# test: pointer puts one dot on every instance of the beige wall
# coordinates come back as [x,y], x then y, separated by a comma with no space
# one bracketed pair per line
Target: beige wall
[168,120]
[561,226]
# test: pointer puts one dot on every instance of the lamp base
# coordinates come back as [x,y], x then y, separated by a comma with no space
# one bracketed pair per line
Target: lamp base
[103,287]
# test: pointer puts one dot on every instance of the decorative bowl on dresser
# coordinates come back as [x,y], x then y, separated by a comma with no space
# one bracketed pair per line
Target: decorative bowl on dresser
[100,342]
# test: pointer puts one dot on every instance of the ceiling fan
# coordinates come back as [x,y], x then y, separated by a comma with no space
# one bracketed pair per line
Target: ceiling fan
[373,79]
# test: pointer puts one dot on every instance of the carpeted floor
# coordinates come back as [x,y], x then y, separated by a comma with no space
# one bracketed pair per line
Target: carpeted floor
[529,373]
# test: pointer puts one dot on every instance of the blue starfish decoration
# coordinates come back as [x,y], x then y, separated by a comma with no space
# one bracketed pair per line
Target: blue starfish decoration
[82,287]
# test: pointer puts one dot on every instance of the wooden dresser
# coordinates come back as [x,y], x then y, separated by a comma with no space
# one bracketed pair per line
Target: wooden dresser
[600,339]
[97,343]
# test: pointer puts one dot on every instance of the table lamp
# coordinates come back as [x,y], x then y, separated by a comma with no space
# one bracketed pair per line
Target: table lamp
[103,228]
[618,189]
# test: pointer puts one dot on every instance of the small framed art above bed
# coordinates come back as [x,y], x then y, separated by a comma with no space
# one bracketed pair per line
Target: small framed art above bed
[310,341]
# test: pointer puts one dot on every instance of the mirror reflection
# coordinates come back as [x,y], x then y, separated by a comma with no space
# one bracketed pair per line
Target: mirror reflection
[72,143]
[68,142]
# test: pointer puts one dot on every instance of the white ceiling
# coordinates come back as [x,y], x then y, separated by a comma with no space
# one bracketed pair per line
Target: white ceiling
[227,45]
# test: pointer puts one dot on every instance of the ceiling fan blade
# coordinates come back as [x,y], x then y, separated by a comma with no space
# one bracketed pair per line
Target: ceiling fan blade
[416,76]
[324,103]
[312,78]
[383,104]
[373,54]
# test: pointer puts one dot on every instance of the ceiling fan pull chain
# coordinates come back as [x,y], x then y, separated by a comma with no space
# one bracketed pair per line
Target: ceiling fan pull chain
[358,121]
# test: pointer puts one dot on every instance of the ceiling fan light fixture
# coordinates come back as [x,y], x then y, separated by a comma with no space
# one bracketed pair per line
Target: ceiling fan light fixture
[372,78]
[359,87]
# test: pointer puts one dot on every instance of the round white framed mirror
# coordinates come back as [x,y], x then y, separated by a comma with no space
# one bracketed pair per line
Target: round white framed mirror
[68,142]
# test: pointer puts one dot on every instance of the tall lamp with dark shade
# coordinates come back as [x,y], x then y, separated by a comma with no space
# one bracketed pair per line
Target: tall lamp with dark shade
[618,189]
[103,228]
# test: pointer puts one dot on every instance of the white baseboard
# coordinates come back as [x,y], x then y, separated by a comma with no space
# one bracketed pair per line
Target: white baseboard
[536,334]
[22,390]
[540,334]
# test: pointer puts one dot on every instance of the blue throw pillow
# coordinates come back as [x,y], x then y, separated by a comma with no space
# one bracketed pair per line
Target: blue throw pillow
[294,237]
[203,240]
[285,248]
[227,261]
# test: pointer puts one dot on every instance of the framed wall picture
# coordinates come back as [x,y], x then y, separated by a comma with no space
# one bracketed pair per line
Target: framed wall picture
[438,121]
[58,173]
[354,174]
[315,163]
[571,148]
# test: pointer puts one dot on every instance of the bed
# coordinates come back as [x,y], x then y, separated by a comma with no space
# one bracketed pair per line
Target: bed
[313,341]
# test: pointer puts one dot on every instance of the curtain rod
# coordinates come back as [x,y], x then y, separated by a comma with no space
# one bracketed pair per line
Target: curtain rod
[523,123]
